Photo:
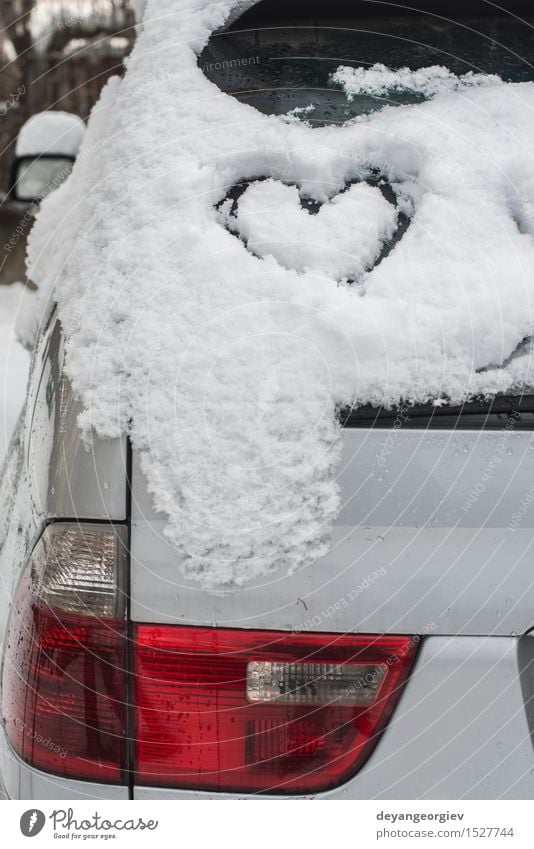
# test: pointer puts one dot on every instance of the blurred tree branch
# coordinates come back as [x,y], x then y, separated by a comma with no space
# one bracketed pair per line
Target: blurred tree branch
[16,18]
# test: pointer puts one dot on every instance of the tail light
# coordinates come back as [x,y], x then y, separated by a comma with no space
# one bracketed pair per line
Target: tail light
[260,711]
[213,709]
[64,674]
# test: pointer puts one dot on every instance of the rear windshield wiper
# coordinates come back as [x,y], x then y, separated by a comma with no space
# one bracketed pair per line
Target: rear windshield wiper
[498,413]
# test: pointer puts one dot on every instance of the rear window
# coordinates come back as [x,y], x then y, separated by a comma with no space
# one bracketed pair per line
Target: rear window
[281,57]
[284,58]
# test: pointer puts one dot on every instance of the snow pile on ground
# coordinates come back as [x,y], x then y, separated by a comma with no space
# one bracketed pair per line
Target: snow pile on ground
[226,364]
[14,363]
[379,80]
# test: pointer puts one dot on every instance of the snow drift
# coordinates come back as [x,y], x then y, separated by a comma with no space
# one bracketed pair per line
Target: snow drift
[224,338]
[380,80]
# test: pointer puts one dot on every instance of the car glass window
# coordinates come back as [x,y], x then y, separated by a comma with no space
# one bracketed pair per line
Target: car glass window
[283,64]
[37,177]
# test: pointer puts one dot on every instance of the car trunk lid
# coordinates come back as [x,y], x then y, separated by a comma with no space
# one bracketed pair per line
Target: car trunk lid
[434,536]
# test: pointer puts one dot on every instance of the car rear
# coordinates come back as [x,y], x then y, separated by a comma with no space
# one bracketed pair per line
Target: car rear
[397,666]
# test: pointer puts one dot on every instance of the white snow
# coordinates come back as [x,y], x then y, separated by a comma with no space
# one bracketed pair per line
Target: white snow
[51,133]
[379,80]
[343,239]
[14,363]
[299,113]
[226,364]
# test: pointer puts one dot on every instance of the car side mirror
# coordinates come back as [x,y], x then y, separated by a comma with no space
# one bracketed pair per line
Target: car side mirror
[46,148]
[34,177]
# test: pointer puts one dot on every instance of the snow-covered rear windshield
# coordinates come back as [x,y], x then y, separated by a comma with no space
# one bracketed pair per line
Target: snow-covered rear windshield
[228,286]
[284,61]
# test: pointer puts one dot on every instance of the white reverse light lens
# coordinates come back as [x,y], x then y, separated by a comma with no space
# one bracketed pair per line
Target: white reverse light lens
[79,569]
[314,683]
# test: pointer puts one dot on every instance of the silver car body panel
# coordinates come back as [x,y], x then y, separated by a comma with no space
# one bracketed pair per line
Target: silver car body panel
[72,478]
[429,541]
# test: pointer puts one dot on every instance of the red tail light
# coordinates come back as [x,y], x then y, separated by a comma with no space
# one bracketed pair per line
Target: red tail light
[64,676]
[213,709]
[260,711]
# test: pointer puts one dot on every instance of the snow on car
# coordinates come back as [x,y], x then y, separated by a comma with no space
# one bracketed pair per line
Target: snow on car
[50,133]
[260,330]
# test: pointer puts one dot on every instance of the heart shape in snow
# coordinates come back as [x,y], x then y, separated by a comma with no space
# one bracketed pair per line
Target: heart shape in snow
[343,238]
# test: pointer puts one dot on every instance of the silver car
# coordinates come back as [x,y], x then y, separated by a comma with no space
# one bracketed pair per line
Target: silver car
[399,666]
